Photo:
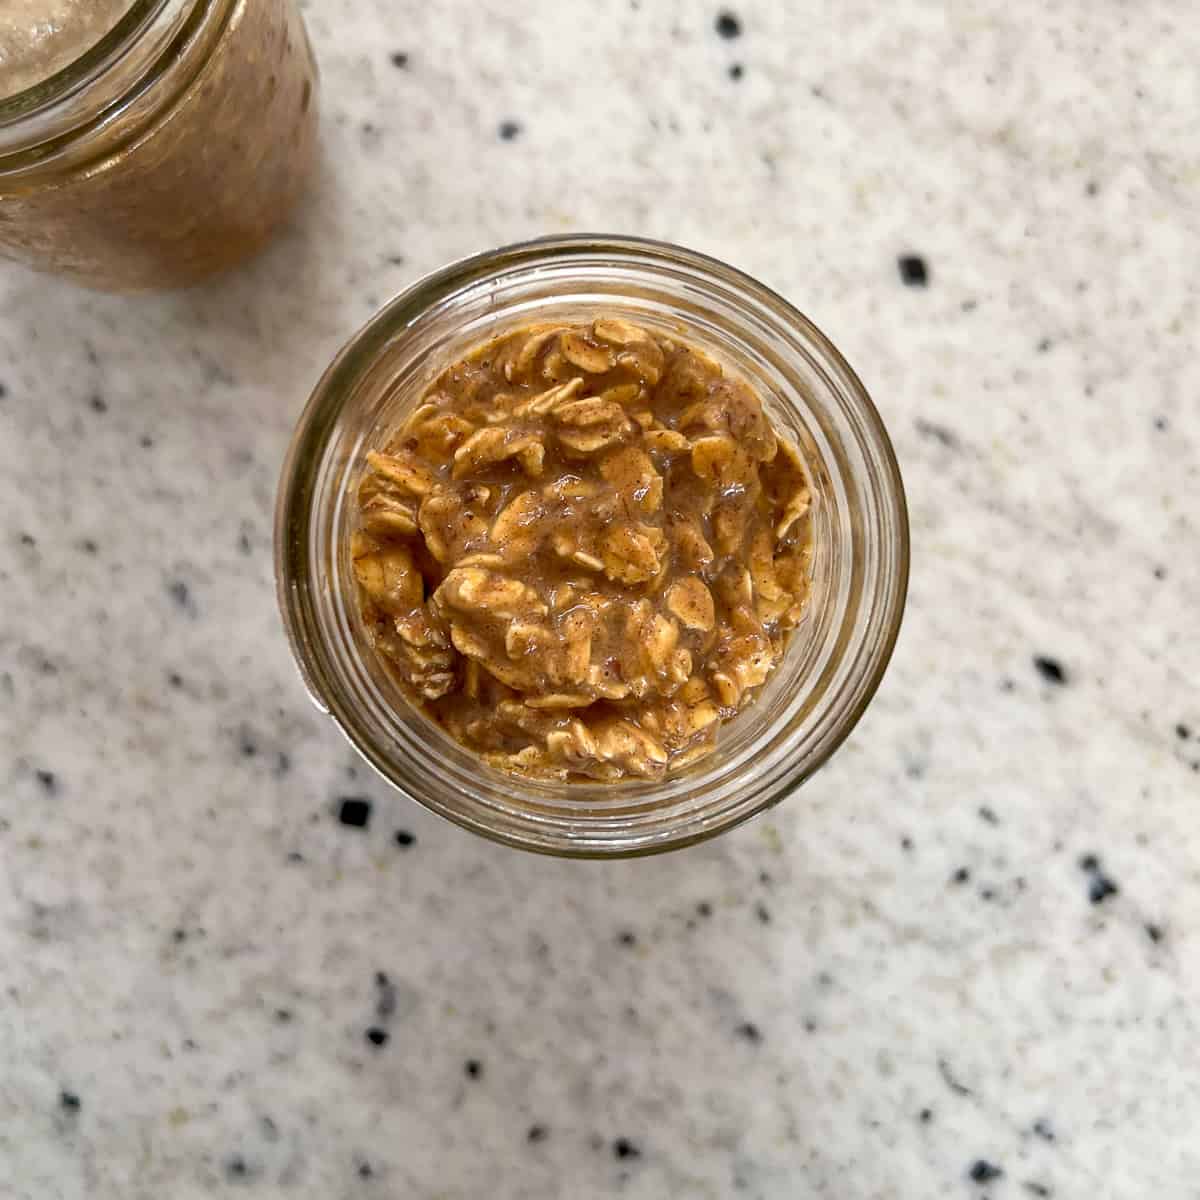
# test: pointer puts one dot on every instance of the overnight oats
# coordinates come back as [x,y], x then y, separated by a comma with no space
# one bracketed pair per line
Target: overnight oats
[584,550]
[150,143]
[595,546]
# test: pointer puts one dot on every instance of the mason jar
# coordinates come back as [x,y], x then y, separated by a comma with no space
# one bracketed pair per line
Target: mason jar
[168,150]
[832,663]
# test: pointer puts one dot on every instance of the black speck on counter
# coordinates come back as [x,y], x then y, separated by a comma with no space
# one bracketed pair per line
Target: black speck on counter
[179,936]
[1182,732]
[404,839]
[175,679]
[624,1148]
[1092,187]
[982,1171]
[1100,886]
[400,59]
[354,811]
[913,270]
[27,539]
[473,1068]
[938,433]
[237,1168]
[704,909]
[987,814]
[98,404]
[385,998]
[749,1031]
[48,780]
[294,856]
[1042,1129]
[736,71]
[906,843]
[962,875]
[88,546]
[377,1036]
[1037,1189]
[1044,345]
[727,24]
[1160,423]
[146,441]
[1160,573]
[537,1133]
[247,744]
[364,1171]
[627,937]
[1154,932]
[283,1015]
[762,913]
[69,1102]
[181,594]
[1050,669]
[925,1116]
[509,130]
[959,1089]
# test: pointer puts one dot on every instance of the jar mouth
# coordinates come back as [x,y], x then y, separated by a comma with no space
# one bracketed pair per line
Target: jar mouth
[833,664]
[104,85]
[82,70]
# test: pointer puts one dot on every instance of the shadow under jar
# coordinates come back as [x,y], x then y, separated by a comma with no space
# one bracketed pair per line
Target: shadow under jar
[167,151]
[833,661]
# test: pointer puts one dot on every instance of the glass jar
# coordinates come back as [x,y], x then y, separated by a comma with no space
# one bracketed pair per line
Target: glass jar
[834,660]
[168,151]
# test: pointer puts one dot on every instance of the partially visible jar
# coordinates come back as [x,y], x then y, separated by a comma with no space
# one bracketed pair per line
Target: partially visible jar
[168,151]
[834,659]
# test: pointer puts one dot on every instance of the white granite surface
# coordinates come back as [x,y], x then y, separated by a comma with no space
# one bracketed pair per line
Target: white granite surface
[897,984]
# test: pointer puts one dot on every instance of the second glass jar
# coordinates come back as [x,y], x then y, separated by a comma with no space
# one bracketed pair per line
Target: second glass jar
[834,660]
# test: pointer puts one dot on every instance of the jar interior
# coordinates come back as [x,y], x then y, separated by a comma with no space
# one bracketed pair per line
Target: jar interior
[391,388]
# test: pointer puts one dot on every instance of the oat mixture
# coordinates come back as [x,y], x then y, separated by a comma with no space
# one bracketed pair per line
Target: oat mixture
[40,37]
[584,550]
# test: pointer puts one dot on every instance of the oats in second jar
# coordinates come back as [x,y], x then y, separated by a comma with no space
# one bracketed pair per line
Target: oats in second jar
[584,550]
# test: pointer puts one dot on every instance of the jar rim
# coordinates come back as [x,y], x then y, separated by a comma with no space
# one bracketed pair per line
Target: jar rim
[318,422]
[85,67]
[150,38]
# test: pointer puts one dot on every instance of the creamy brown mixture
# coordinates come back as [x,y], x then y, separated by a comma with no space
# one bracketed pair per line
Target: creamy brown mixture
[163,197]
[584,550]
[40,37]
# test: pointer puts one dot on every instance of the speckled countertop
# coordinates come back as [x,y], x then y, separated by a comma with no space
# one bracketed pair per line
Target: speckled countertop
[964,962]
